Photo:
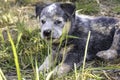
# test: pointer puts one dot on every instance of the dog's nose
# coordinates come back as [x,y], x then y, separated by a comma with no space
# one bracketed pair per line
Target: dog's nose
[47,33]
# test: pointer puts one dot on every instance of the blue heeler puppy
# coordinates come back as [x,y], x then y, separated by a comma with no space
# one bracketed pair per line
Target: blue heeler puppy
[58,21]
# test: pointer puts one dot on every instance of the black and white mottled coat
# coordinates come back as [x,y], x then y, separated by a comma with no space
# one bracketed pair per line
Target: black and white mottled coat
[104,41]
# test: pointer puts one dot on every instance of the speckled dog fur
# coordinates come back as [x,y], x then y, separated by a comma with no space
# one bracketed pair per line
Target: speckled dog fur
[57,19]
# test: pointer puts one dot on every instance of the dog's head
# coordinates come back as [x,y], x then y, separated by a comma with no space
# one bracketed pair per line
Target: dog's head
[55,19]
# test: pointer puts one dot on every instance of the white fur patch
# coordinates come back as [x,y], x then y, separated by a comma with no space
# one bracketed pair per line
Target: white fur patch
[84,17]
[51,7]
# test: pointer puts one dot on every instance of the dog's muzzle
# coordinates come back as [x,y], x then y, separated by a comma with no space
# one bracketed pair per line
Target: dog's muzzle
[47,33]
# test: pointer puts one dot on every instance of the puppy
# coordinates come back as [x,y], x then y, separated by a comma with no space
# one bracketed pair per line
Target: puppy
[68,32]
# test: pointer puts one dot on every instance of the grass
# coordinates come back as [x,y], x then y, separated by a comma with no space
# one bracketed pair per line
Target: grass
[85,56]
[23,50]
[2,76]
[15,56]
[88,7]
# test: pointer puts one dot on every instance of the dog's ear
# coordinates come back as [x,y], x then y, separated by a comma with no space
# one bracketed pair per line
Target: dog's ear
[39,7]
[69,8]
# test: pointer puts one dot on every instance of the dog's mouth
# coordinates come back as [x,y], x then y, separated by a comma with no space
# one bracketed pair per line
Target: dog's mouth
[52,39]
[49,38]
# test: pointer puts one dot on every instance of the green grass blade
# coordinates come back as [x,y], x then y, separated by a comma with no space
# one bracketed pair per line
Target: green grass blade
[75,71]
[15,56]
[18,40]
[2,77]
[105,68]
[85,55]
[37,72]
[49,75]
[1,36]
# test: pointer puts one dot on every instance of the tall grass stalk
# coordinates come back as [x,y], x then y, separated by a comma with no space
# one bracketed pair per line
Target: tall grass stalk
[65,36]
[15,56]
[49,75]
[85,55]
[2,77]
[37,72]
[75,71]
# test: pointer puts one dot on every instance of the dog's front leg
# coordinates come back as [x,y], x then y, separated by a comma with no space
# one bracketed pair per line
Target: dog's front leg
[67,64]
[48,63]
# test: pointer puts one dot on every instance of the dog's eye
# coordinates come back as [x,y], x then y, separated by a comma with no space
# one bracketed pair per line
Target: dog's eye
[57,22]
[43,21]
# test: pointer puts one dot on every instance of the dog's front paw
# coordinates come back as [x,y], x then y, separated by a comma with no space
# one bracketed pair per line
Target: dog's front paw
[40,69]
[107,54]
[43,68]
[61,70]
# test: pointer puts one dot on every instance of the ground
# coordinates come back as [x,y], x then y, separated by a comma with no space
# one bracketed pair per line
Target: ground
[19,20]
